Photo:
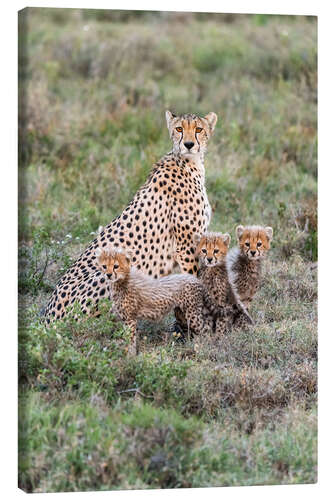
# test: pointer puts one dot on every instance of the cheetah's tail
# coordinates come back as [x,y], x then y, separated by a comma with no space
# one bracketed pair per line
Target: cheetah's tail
[243,310]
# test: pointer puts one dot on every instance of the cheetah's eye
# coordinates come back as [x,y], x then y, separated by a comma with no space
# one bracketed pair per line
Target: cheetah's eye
[116,266]
[198,130]
[179,129]
[259,244]
[247,244]
[204,250]
[104,267]
[216,250]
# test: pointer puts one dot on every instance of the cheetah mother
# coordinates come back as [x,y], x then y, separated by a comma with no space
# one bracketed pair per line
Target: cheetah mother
[159,223]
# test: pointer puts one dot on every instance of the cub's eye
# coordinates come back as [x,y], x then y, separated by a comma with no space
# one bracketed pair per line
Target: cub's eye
[104,267]
[179,129]
[216,250]
[198,130]
[259,244]
[204,250]
[116,266]
[247,244]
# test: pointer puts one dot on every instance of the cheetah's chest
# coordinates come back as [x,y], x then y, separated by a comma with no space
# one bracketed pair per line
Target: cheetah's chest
[200,182]
[207,209]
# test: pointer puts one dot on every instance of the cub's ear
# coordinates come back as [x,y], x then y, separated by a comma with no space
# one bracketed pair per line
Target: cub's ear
[227,238]
[212,119]
[196,238]
[98,252]
[269,232]
[169,116]
[239,231]
[128,254]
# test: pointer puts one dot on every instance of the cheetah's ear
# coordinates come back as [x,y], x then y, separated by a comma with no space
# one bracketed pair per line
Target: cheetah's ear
[226,238]
[128,254]
[196,238]
[169,116]
[98,252]
[269,232]
[239,231]
[212,119]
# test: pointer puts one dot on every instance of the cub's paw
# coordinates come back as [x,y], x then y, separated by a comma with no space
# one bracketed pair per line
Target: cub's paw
[132,349]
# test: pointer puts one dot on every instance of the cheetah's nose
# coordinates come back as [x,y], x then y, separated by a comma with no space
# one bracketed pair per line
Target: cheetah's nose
[209,259]
[189,145]
[253,252]
[109,275]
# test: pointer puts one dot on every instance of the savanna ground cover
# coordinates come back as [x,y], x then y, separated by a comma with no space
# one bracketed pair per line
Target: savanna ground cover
[240,410]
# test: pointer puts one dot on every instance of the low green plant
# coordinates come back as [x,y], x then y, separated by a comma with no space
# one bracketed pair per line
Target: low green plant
[75,447]
[75,356]
[35,258]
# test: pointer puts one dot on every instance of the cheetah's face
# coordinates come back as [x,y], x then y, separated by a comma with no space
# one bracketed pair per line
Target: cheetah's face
[190,133]
[212,248]
[115,263]
[254,241]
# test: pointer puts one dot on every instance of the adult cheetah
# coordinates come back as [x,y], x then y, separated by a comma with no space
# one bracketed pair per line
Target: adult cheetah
[159,223]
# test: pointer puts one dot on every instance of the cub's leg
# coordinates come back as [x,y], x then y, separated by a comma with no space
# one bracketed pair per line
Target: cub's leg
[180,319]
[131,324]
[223,324]
[193,307]
[220,326]
[240,320]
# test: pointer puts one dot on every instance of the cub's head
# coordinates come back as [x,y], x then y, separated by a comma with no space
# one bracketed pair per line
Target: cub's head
[212,248]
[114,262]
[190,133]
[254,241]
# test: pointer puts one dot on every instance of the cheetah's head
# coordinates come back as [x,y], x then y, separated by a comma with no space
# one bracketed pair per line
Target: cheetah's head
[190,133]
[212,248]
[254,241]
[114,262]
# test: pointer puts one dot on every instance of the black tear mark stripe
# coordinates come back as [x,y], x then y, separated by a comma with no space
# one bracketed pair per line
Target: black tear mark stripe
[180,139]
[197,141]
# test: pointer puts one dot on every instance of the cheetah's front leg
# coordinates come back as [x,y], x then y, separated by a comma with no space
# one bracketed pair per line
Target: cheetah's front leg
[221,326]
[193,307]
[132,348]
[187,263]
[185,251]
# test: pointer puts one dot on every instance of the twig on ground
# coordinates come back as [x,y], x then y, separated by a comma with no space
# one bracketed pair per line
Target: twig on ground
[137,391]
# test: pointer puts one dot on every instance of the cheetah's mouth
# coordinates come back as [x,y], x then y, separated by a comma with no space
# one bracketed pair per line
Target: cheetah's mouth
[253,257]
[112,279]
[190,153]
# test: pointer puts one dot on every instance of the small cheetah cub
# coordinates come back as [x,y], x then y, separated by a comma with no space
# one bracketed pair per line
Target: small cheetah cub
[220,298]
[245,262]
[138,296]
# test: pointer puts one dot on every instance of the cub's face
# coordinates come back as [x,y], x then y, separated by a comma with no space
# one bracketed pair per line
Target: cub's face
[212,248]
[254,241]
[114,263]
[190,133]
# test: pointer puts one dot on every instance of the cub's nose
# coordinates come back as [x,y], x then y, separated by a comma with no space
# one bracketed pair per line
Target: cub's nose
[253,252]
[209,259]
[109,275]
[189,145]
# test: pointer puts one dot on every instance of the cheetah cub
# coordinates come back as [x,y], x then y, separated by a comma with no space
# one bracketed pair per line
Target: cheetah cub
[220,299]
[138,296]
[245,262]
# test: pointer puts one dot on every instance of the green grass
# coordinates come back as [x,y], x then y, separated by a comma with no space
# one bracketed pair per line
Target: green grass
[240,410]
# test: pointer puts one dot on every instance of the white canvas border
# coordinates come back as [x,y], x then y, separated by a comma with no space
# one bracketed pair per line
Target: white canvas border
[9,245]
